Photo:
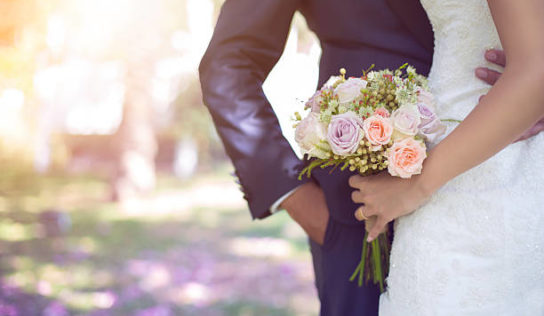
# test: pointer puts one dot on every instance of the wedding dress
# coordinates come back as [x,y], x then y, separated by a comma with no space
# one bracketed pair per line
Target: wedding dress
[477,247]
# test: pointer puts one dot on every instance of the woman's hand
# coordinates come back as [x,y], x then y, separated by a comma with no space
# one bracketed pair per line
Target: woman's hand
[386,198]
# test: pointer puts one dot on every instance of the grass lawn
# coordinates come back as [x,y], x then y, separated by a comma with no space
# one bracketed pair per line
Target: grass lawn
[190,248]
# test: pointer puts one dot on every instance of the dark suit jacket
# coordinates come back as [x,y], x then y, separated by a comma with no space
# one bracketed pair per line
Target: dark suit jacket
[248,41]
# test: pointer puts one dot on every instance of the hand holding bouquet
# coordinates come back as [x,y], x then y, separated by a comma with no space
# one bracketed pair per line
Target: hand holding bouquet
[368,124]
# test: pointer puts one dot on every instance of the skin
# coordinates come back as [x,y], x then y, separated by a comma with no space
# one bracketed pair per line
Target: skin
[307,206]
[495,121]
[491,76]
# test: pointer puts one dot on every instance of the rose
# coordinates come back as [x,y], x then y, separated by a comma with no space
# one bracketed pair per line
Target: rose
[426,98]
[314,103]
[406,119]
[426,113]
[344,133]
[430,127]
[382,112]
[349,90]
[378,130]
[310,135]
[405,158]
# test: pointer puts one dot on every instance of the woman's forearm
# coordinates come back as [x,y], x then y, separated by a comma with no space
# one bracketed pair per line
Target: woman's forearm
[514,104]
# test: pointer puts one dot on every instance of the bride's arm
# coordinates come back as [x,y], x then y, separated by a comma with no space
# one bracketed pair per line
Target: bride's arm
[511,106]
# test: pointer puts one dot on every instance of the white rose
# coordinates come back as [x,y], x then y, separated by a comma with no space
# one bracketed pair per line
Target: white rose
[350,89]
[406,119]
[309,133]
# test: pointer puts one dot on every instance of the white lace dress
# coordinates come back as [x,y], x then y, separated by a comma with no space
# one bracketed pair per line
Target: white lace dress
[477,247]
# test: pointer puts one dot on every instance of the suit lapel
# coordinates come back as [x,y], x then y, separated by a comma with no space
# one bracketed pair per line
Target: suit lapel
[412,14]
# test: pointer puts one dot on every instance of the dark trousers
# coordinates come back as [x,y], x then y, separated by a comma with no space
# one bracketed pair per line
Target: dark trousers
[334,263]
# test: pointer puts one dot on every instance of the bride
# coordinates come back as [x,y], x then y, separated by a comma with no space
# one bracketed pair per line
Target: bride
[475,245]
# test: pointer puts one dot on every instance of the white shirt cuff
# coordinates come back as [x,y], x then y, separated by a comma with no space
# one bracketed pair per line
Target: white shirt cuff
[276,206]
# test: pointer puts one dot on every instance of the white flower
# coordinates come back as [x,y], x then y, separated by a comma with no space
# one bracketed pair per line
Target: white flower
[332,81]
[310,135]
[406,119]
[350,90]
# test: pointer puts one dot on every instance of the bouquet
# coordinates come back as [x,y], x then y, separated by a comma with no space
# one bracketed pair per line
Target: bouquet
[379,121]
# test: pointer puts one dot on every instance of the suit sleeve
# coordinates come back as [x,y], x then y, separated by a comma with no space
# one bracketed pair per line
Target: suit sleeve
[248,41]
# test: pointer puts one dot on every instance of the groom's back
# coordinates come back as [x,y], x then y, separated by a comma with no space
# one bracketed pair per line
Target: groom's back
[357,33]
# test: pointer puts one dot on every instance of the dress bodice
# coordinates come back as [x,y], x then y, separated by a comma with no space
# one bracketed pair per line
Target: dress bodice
[463,31]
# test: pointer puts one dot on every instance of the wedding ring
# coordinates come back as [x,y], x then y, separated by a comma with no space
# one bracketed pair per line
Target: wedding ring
[360,215]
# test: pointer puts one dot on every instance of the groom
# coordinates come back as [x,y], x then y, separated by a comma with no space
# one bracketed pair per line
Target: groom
[248,41]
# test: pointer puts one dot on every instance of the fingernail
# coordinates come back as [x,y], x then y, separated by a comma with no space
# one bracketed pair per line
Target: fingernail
[491,55]
[369,239]
[481,73]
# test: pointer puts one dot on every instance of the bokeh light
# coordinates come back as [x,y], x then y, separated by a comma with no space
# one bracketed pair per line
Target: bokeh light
[116,197]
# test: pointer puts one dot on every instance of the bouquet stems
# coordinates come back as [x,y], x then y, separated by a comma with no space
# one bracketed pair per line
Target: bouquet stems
[374,262]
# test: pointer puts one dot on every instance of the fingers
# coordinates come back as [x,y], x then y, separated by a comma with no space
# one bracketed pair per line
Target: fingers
[496,56]
[377,229]
[356,181]
[363,213]
[357,196]
[360,214]
[491,76]
[487,75]
[536,129]
[369,223]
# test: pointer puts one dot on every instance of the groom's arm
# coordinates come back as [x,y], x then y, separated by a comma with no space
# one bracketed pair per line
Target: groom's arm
[248,41]
[491,76]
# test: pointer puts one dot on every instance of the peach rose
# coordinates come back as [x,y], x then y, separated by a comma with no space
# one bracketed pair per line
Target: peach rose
[382,112]
[378,130]
[406,157]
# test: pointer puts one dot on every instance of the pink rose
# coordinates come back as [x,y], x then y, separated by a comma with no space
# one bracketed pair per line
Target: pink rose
[310,135]
[430,127]
[406,157]
[349,90]
[406,119]
[378,130]
[382,112]
[344,133]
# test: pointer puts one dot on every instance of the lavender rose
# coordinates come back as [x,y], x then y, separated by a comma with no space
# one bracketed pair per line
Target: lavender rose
[406,120]
[344,133]
[310,135]
[350,90]
[430,127]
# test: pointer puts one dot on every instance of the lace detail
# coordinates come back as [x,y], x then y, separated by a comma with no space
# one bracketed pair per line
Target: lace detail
[477,247]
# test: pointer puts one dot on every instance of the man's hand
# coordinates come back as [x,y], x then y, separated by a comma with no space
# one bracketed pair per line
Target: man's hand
[491,76]
[307,206]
